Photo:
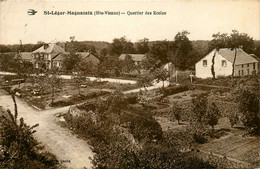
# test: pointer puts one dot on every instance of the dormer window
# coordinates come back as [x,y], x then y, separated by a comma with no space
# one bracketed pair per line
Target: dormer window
[224,63]
[204,63]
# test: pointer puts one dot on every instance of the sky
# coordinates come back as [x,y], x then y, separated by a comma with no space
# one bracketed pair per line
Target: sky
[201,18]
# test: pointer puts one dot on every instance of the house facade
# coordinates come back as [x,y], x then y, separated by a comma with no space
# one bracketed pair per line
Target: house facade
[48,56]
[51,56]
[221,62]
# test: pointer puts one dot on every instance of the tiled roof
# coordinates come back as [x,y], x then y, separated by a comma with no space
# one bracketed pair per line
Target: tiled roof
[58,57]
[83,54]
[52,48]
[135,57]
[26,55]
[86,55]
[241,58]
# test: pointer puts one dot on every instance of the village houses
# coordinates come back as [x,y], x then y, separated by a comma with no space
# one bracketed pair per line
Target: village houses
[52,55]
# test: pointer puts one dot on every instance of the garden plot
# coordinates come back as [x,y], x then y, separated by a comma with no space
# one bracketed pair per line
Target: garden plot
[245,149]
[67,93]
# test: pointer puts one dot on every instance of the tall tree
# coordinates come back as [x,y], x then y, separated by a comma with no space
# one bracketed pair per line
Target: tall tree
[128,64]
[142,46]
[121,45]
[182,48]
[71,61]
[160,52]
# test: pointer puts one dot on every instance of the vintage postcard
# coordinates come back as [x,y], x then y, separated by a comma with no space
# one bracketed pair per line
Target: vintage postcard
[129,84]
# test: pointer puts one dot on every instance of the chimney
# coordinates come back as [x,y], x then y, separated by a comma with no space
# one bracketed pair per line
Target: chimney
[45,46]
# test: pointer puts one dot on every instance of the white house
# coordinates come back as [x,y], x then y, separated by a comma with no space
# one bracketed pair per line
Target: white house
[222,64]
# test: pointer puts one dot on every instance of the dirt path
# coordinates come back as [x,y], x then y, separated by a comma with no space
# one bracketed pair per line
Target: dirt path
[70,150]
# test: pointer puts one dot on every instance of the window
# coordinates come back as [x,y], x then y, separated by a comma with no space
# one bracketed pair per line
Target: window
[242,72]
[247,71]
[254,66]
[248,65]
[224,63]
[204,63]
[242,66]
[239,73]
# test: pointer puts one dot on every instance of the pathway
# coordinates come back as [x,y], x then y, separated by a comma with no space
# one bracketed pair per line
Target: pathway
[59,141]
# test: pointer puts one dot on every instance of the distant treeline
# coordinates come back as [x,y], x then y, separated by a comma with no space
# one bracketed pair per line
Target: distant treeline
[200,45]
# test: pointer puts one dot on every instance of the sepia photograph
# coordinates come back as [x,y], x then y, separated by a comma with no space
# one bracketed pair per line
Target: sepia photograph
[144,84]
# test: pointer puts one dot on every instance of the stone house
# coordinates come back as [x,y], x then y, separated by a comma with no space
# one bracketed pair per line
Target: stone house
[49,55]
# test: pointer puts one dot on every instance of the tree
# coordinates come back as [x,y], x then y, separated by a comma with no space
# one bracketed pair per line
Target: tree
[142,46]
[199,108]
[247,97]
[233,41]
[53,80]
[71,61]
[177,110]
[145,80]
[159,53]
[7,61]
[78,79]
[121,45]
[110,64]
[128,63]
[182,48]
[161,74]
[212,115]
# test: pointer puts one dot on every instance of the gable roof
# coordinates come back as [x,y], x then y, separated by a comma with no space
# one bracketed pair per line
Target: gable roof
[52,48]
[135,57]
[85,55]
[26,55]
[256,57]
[241,57]
[58,57]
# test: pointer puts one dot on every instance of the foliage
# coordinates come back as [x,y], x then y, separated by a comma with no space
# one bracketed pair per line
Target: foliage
[182,50]
[177,111]
[248,102]
[233,119]
[109,65]
[78,79]
[145,79]
[142,46]
[199,132]
[234,40]
[212,115]
[128,64]
[18,147]
[121,45]
[71,61]
[53,81]
[129,140]
[160,53]
[199,108]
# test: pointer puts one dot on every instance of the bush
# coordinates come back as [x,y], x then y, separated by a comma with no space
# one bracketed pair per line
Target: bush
[248,103]
[233,119]
[18,147]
